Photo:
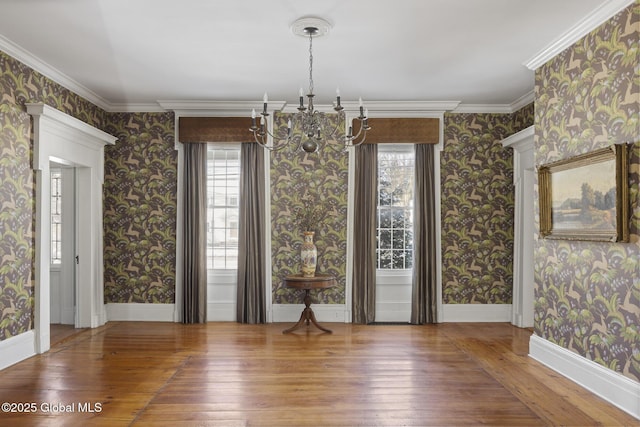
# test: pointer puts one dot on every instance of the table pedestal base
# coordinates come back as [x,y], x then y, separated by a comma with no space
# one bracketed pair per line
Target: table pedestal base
[307,316]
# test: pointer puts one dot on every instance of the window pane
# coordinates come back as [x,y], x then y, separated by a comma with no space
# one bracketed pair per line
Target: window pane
[223,189]
[384,259]
[398,239]
[395,207]
[56,216]
[384,239]
[385,218]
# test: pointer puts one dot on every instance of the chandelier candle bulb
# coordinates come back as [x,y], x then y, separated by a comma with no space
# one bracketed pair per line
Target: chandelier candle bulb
[265,99]
[253,118]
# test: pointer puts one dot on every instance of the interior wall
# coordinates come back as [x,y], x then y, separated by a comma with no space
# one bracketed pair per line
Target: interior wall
[478,206]
[20,84]
[321,177]
[140,199]
[588,293]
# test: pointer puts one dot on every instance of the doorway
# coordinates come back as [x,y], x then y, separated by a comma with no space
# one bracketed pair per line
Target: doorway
[63,244]
[524,181]
[62,139]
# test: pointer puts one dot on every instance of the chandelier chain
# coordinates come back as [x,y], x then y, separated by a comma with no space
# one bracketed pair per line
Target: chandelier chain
[310,63]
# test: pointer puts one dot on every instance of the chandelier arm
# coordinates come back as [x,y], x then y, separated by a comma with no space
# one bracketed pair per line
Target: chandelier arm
[363,127]
[261,137]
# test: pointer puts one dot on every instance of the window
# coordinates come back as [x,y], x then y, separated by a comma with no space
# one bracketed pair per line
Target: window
[56,216]
[395,207]
[223,190]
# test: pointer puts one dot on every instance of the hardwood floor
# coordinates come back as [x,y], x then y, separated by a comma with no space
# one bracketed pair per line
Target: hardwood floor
[227,374]
[60,333]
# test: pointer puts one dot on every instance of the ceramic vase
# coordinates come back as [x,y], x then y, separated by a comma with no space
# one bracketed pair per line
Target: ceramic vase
[308,255]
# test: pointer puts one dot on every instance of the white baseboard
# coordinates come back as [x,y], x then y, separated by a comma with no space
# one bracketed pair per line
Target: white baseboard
[323,312]
[140,312]
[221,312]
[476,312]
[18,348]
[613,387]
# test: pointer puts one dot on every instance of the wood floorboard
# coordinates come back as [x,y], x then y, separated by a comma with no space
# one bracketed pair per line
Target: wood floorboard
[227,374]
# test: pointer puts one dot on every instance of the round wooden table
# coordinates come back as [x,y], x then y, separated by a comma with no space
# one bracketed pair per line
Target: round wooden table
[298,281]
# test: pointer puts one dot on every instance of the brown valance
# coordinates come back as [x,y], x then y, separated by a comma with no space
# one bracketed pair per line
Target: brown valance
[214,129]
[236,129]
[402,130]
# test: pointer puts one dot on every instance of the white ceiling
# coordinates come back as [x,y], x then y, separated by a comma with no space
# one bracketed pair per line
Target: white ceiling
[125,52]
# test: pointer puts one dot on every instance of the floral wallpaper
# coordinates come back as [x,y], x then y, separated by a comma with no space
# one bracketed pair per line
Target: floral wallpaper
[587,296]
[140,209]
[16,223]
[19,84]
[477,209]
[323,177]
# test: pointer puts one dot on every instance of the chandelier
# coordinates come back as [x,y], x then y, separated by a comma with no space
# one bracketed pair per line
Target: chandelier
[309,129]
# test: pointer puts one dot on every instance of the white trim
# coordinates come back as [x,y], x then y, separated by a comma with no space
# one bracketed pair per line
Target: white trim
[484,108]
[579,30]
[179,283]
[221,312]
[476,312]
[268,282]
[520,141]
[68,140]
[516,105]
[323,312]
[18,348]
[523,101]
[437,149]
[185,108]
[613,387]
[523,163]
[139,107]
[140,312]
[393,311]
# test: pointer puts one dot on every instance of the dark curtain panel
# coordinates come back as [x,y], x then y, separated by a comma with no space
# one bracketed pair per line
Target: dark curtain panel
[251,303]
[195,233]
[364,238]
[423,299]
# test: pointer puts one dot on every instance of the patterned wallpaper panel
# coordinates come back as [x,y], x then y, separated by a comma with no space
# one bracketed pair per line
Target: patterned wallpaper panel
[477,209]
[321,176]
[16,222]
[588,293]
[140,209]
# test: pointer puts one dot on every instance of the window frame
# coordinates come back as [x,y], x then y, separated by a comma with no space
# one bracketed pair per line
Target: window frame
[211,196]
[395,275]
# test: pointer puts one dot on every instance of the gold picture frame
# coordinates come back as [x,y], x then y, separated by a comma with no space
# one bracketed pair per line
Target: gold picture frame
[586,197]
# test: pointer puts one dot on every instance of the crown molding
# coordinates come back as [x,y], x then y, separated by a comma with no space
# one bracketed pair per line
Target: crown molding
[151,107]
[185,108]
[483,108]
[403,108]
[575,33]
[523,101]
[524,138]
[30,60]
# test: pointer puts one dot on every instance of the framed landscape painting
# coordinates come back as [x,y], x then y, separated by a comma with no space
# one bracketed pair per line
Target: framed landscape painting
[586,197]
